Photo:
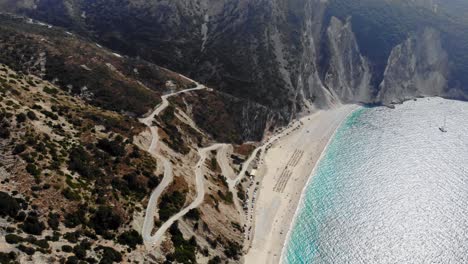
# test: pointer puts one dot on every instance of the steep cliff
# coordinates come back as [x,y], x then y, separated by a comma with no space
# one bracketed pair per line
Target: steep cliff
[417,67]
[349,74]
[289,56]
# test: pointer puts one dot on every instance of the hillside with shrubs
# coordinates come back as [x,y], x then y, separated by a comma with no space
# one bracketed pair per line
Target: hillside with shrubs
[75,169]
[72,180]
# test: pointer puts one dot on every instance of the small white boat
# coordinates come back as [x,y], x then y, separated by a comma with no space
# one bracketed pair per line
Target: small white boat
[442,128]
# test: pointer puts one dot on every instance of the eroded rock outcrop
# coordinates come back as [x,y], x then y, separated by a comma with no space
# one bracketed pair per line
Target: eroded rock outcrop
[348,75]
[417,67]
[311,89]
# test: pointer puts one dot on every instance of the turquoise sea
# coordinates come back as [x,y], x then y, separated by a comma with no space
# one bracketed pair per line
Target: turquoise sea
[390,188]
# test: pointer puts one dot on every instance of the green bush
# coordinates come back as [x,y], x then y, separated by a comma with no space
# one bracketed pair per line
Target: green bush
[105,219]
[185,251]
[153,182]
[168,114]
[20,216]
[28,250]
[51,91]
[42,243]
[79,251]
[72,237]
[67,248]
[170,204]
[13,239]
[233,250]
[133,183]
[49,114]
[55,236]
[76,218]
[130,238]
[72,260]
[226,197]
[32,225]
[53,221]
[193,214]
[215,260]
[213,163]
[31,115]
[116,147]
[33,170]
[241,194]
[8,205]
[109,255]
[4,132]
[20,148]
[8,258]
[20,118]
[82,163]
[37,107]
[70,194]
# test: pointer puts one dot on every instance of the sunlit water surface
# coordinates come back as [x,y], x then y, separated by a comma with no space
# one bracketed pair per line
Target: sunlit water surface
[390,188]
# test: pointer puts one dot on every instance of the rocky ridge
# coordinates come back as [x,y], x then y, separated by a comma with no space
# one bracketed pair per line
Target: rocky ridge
[289,56]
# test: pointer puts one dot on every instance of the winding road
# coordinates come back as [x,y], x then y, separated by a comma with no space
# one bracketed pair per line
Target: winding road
[200,183]
[232,183]
[222,157]
[232,179]
[151,208]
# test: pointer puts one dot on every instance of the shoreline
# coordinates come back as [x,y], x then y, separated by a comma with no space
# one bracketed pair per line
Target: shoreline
[300,204]
[287,168]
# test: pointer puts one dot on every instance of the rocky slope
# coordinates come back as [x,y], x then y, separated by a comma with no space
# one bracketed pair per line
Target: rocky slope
[75,171]
[417,67]
[349,74]
[72,180]
[290,56]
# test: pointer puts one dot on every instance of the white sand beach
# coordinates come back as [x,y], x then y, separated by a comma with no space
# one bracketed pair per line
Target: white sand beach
[283,174]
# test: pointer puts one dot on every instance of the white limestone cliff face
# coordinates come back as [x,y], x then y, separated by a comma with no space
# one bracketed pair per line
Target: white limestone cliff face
[284,55]
[310,89]
[417,67]
[348,75]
